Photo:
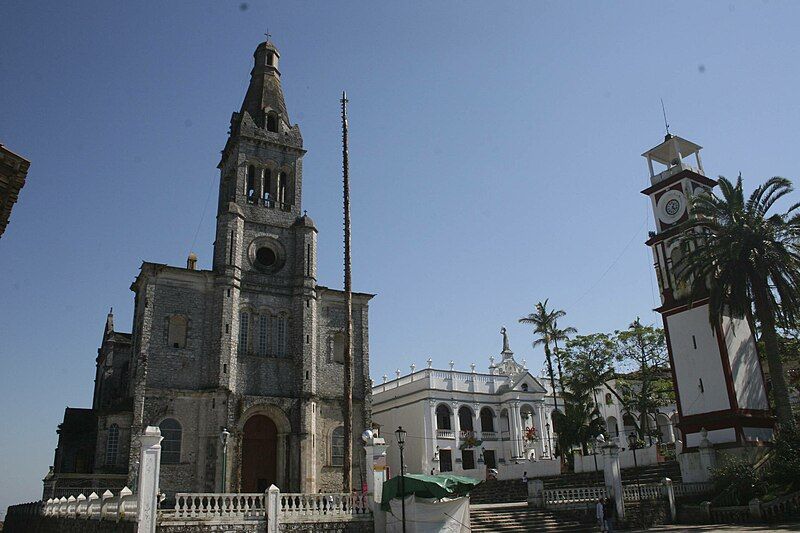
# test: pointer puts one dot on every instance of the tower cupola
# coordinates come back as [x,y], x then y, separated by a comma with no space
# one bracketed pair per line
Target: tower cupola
[264,100]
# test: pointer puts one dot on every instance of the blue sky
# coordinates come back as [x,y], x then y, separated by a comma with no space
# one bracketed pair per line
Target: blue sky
[494,158]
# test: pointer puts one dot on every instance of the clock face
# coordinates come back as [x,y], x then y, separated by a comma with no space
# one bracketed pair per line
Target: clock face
[671,207]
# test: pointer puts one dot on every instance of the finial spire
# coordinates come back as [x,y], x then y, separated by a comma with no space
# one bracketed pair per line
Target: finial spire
[666,124]
[267,35]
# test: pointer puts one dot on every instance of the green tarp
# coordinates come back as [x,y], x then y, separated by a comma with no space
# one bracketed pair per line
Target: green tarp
[424,486]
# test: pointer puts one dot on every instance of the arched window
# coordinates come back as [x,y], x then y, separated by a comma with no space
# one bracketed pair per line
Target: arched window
[337,446]
[263,334]
[609,399]
[267,186]
[171,445]
[244,332]
[338,348]
[272,122]
[487,419]
[443,417]
[280,326]
[112,445]
[177,331]
[250,186]
[282,187]
[465,418]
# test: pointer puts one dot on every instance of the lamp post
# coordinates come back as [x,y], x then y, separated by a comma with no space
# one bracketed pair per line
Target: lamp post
[400,434]
[549,443]
[633,443]
[223,437]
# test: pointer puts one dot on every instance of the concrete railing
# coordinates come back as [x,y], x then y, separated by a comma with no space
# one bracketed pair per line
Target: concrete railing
[297,507]
[123,506]
[245,506]
[583,496]
[445,434]
[692,489]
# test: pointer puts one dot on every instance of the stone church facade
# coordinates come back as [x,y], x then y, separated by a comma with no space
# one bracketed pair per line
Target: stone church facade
[253,346]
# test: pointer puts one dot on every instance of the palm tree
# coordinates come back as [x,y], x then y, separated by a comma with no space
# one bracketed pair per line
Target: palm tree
[557,334]
[580,422]
[542,321]
[743,259]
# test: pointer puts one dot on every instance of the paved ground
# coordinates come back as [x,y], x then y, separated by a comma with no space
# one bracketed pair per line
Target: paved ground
[730,528]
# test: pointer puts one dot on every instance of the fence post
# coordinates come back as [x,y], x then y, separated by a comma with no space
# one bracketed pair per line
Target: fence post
[613,476]
[754,506]
[535,496]
[149,471]
[273,499]
[708,458]
[670,490]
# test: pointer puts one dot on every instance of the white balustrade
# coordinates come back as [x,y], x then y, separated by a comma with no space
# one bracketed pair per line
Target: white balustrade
[208,505]
[296,507]
[691,489]
[571,496]
[650,491]
[488,435]
[445,434]
[124,506]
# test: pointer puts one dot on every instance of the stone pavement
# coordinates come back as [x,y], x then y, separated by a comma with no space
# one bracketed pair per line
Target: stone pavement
[731,528]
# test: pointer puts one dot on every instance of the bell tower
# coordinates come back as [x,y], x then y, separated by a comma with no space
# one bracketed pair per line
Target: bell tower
[716,371]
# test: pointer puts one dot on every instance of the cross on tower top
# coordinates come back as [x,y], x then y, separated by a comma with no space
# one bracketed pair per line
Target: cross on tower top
[267,34]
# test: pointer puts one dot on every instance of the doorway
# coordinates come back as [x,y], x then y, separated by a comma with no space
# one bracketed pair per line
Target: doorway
[259,454]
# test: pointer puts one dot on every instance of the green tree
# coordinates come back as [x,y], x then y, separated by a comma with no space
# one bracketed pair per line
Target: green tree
[745,259]
[558,334]
[647,386]
[543,321]
[580,422]
[589,360]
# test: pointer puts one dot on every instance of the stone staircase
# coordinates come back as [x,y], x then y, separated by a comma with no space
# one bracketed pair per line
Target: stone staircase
[518,517]
[513,490]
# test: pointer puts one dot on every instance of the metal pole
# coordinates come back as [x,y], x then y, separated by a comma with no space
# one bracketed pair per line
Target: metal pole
[402,489]
[347,463]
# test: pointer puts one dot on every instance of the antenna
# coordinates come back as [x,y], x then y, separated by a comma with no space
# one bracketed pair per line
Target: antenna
[664,111]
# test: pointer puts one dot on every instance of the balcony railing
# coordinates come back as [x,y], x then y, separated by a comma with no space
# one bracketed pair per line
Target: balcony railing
[505,435]
[268,202]
[445,434]
[488,435]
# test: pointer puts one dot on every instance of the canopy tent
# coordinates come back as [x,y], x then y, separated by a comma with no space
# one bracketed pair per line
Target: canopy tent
[425,486]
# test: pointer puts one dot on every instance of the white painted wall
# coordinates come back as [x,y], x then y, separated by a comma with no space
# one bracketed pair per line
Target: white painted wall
[693,364]
[745,367]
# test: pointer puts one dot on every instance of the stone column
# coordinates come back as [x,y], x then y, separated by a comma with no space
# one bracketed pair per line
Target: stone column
[430,444]
[456,432]
[273,499]
[375,462]
[515,431]
[670,491]
[613,476]
[708,457]
[149,470]
[535,497]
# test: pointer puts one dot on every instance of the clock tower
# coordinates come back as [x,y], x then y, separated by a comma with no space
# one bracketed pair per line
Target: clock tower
[716,372]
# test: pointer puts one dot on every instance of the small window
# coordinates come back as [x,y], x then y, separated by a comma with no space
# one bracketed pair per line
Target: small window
[467,459]
[177,331]
[112,445]
[244,332]
[250,186]
[609,399]
[338,348]
[337,446]
[525,387]
[272,122]
[487,419]
[443,417]
[171,445]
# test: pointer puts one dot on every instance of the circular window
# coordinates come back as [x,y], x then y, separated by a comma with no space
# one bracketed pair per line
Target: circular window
[266,256]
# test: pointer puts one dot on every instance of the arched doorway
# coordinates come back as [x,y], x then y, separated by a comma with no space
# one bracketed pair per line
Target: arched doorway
[259,454]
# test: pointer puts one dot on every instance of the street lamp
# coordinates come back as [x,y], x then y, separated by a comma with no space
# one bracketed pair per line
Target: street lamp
[400,434]
[549,443]
[633,443]
[223,437]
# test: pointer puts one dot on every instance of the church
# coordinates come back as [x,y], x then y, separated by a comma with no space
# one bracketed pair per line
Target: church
[240,366]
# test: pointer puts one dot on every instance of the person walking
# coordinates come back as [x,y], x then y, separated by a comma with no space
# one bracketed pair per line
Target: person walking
[600,514]
[609,509]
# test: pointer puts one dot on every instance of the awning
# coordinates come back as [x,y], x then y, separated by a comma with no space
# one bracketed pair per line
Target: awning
[425,486]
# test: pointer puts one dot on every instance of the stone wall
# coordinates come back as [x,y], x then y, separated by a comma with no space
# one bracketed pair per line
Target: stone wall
[356,526]
[255,526]
[25,518]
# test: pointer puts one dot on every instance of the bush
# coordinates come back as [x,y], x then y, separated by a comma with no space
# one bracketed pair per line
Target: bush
[737,477]
[784,467]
